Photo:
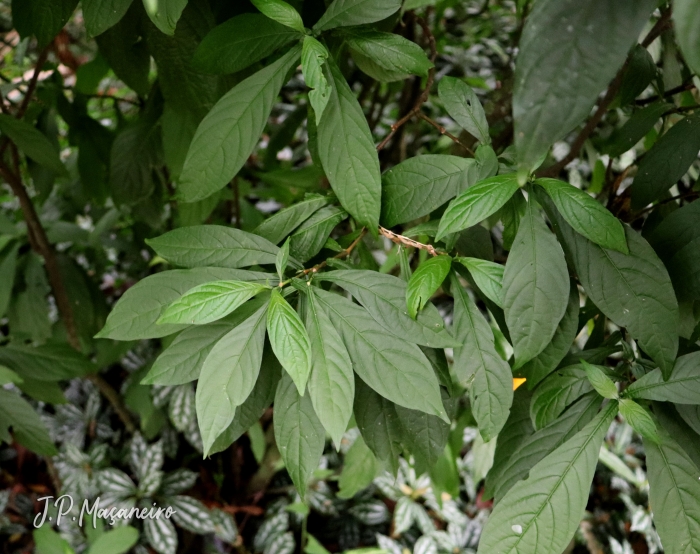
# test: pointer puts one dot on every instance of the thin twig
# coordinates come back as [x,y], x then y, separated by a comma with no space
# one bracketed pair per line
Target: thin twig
[341,255]
[670,92]
[405,241]
[665,201]
[444,131]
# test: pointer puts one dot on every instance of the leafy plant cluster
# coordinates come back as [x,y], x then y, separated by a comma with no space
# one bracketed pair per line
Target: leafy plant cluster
[403,275]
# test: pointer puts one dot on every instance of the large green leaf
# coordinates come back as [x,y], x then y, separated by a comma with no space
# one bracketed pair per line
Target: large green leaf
[424,436]
[667,161]
[668,417]
[309,238]
[421,184]
[463,105]
[396,369]
[135,314]
[299,434]
[384,297]
[674,495]
[165,13]
[686,20]
[213,245]
[280,225]
[586,216]
[32,142]
[691,415]
[289,339]
[46,362]
[331,383]
[556,392]
[541,514]
[344,13]
[231,130]
[228,376]
[281,12]
[41,18]
[682,387]
[313,56]
[479,367]
[27,427]
[535,287]
[477,203]
[633,290]
[100,15]
[425,282]
[347,152]
[555,85]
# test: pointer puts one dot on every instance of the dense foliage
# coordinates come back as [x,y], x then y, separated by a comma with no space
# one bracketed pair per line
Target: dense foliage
[324,275]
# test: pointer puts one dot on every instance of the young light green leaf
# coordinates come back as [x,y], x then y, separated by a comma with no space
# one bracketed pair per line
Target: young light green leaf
[100,15]
[209,302]
[280,11]
[344,13]
[682,387]
[463,105]
[165,13]
[32,142]
[231,130]
[27,427]
[228,376]
[421,184]
[116,541]
[488,276]
[299,434]
[289,339]
[331,383]
[384,297]
[280,225]
[530,518]
[396,369]
[385,56]
[425,281]
[213,245]
[347,151]
[603,385]
[479,367]
[586,216]
[311,236]
[313,56]
[674,495]
[535,287]
[556,87]
[686,23]
[477,203]
[639,419]
[47,541]
[282,259]
[360,467]
[556,392]
[240,42]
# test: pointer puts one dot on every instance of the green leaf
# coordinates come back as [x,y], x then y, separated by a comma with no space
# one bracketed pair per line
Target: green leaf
[8,376]
[479,367]
[331,383]
[674,495]
[384,297]
[282,260]
[396,369]
[311,236]
[556,392]
[463,105]
[313,56]
[27,427]
[347,151]
[477,203]
[682,387]
[117,541]
[360,467]
[668,417]
[289,339]
[32,142]
[299,434]
[230,131]
[586,216]
[213,245]
[537,445]
[535,287]
[47,541]
[165,13]
[633,290]
[280,225]
[135,314]
[531,517]
[424,436]
[691,415]
[385,56]
[636,77]
[686,23]
[344,13]
[41,18]
[639,419]
[667,161]
[488,276]
[635,129]
[228,376]
[8,265]
[603,385]
[421,184]
[555,86]
[209,302]
[425,282]
[100,15]
[280,11]
[43,391]
[46,362]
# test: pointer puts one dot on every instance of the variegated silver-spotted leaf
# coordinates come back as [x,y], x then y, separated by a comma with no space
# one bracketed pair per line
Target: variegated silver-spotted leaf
[389,486]
[4,499]
[170,440]
[150,462]
[181,409]
[124,504]
[137,451]
[191,514]
[116,482]
[140,549]
[98,455]
[320,499]
[422,519]
[92,405]
[444,541]
[161,395]
[388,544]
[270,530]
[371,513]
[224,526]
[404,515]
[150,484]
[161,535]
[425,545]
[74,455]
[177,481]
[193,436]
[283,544]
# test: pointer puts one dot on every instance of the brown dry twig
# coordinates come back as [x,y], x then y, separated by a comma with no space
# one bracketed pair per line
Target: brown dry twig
[405,241]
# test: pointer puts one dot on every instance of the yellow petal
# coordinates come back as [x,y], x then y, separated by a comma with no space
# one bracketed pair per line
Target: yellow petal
[517,382]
